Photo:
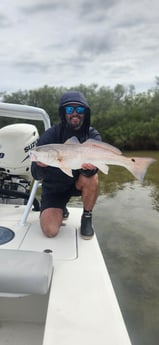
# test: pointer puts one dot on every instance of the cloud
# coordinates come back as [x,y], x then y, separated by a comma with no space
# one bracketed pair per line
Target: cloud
[69,42]
[31,66]
[36,8]
[4,22]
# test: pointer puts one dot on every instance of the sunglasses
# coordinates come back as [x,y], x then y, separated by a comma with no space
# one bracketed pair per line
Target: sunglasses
[70,109]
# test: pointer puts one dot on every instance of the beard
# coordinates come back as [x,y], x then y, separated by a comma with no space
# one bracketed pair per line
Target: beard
[75,122]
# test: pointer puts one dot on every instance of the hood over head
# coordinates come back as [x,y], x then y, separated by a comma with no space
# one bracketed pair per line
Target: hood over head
[75,97]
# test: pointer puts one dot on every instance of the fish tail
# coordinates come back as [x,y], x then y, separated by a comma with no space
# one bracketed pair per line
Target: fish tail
[139,166]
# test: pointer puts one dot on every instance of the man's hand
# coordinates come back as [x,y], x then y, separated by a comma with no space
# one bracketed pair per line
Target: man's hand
[40,164]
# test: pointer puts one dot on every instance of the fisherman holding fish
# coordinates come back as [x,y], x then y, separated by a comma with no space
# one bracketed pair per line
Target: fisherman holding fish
[57,186]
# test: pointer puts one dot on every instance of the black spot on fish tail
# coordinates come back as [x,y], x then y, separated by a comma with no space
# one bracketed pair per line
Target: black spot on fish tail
[133,159]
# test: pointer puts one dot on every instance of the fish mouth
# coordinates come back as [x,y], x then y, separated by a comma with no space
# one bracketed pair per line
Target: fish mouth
[32,156]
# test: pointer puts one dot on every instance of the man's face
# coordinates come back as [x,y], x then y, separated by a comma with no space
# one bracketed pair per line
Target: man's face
[74,114]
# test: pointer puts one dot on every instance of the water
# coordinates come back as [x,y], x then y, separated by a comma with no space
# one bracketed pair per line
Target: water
[126,218]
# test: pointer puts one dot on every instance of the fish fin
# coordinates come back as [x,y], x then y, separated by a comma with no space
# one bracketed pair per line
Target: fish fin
[103,167]
[102,145]
[139,166]
[67,171]
[72,140]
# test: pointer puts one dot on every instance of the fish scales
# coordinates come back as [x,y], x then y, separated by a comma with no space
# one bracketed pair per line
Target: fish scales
[72,155]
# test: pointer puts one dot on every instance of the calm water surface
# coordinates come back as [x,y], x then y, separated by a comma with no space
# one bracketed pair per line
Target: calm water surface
[126,218]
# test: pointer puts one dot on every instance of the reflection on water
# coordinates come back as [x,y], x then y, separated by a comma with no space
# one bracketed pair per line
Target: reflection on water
[126,219]
[127,223]
[128,232]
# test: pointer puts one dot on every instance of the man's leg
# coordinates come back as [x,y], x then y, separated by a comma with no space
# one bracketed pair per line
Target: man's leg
[51,220]
[89,188]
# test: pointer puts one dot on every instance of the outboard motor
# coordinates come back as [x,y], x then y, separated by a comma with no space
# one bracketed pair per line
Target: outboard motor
[15,176]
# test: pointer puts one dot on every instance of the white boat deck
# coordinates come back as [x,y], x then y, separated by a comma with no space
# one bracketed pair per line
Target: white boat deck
[82,306]
[30,236]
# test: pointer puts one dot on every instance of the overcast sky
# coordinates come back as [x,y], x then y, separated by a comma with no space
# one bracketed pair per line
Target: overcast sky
[72,42]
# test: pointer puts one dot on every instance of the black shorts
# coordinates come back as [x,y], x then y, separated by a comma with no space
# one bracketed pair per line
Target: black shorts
[58,200]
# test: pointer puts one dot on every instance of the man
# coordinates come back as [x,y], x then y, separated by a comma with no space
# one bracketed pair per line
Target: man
[57,187]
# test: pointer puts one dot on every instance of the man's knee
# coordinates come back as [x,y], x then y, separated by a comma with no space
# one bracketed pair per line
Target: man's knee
[91,182]
[49,231]
[50,222]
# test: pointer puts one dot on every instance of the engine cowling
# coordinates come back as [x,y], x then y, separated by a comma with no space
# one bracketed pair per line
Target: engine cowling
[15,142]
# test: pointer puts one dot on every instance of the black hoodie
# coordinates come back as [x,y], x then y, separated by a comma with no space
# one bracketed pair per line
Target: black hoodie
[75,97]
[54,178]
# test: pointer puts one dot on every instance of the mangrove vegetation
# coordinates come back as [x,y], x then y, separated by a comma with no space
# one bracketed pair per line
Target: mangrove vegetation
[124,118]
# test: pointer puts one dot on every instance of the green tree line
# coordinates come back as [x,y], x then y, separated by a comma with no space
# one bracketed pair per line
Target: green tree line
[124,118]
